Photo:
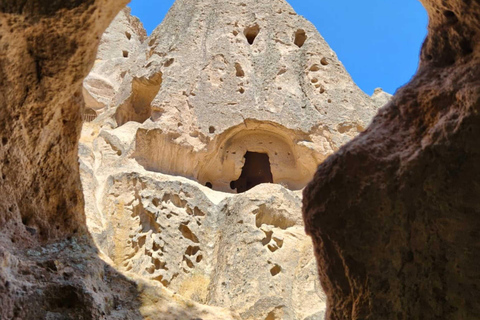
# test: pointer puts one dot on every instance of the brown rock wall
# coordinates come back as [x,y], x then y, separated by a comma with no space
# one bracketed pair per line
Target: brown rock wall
[46,49]
[394,213]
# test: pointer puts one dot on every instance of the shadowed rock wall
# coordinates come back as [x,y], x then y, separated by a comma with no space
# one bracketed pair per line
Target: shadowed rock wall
[394,214]
[50,268]
[46,49]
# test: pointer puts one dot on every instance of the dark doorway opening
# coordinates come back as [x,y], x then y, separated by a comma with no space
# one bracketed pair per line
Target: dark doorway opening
[255,171]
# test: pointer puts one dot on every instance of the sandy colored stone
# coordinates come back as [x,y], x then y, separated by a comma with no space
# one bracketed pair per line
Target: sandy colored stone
[381,98]
[247,252]
[285,94]
[119,42]
[49,266]
[394,213]
[412,258]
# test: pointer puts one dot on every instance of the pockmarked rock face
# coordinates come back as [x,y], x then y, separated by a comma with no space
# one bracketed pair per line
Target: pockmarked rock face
[217,80]
[46,49]
[50,267]
[420,156]
[124,35]
[222,96]
[247,253]
[394,214]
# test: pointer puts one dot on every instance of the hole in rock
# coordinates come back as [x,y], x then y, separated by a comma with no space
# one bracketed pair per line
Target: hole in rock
[69,298]
[192,250]
[239,70]
[300,38]
[255,171]
[138,107]
[272,248]
[188,262]
[125,53]
[187,233]
[169,62]
[275,270]
[251,33]
[277,314]
[324,61]
[128,35]
[449,14]
[268,237]
[89,115]
[211,129]
[209,185]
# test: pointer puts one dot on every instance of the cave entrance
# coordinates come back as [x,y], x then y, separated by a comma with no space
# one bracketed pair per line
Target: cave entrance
[255,171]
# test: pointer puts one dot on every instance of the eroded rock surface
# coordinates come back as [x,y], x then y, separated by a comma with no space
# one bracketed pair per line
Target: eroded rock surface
[245,252]
[402,247]
[46,49]
[121,39]
[262,100]
[262,80]
[394,213]
[50,268]
[264,94]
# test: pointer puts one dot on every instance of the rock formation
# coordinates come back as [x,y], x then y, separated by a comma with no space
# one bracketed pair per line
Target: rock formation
[50,267]
[263,81]
[265,101]
[46,49]
[381,98]
[394,213]
[123,37]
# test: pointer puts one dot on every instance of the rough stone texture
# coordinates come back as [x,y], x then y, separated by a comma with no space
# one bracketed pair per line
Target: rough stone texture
[394,214]
[245,252]
[121,39]
[49,267]
[262,79]
[381,98]
[46,51]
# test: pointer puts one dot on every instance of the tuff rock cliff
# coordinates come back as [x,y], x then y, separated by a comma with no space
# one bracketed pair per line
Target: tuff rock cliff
[197,141]
[411,256]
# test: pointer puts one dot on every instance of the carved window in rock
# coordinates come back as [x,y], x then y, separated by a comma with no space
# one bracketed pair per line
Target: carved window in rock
[255,171]
[89,115]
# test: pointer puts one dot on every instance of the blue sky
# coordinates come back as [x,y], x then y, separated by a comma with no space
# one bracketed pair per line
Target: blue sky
[378,41]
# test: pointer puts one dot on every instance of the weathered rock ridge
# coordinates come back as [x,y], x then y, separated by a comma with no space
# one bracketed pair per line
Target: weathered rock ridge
[262,80]
[50,267]
[394,214]
[246,252]
[411,256]
[265,100]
